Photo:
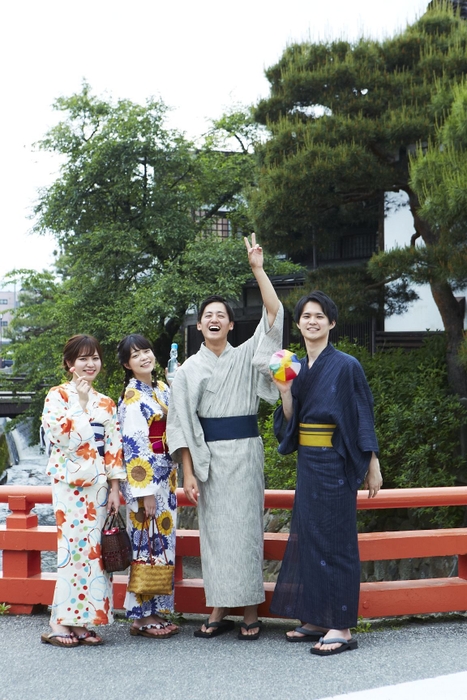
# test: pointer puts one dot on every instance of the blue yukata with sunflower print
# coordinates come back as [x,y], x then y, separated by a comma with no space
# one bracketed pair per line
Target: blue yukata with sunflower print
[149,472]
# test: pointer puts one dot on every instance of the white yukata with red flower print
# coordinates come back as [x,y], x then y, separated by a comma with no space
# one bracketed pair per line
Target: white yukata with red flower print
[83,459]
[148,473]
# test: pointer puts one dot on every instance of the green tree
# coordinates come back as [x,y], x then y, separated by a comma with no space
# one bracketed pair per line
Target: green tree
[227,167]
[132,211]
[40,325]
[122,208]
[343,120]
[439,177]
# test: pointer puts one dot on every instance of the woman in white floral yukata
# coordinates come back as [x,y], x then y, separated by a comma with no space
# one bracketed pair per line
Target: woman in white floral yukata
[85,466]
[150,490]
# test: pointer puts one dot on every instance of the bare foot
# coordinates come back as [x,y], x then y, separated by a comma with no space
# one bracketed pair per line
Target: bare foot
[331,634]
[308,626]
[154,629]
[161,626]
[250,615]
[63,629]
[82,634]
[217,615]
[172,627]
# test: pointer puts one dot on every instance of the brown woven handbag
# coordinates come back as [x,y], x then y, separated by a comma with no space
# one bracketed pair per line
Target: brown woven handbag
[148,577]
[115,544]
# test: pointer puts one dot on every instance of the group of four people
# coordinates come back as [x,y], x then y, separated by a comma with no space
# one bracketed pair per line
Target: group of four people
[207,421]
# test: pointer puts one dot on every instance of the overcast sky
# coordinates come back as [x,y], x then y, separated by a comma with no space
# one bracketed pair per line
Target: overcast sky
[201,57]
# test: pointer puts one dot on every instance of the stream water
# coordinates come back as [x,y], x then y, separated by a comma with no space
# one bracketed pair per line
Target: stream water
[30,471]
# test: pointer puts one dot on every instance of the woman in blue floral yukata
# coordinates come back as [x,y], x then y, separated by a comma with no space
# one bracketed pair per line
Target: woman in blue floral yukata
[150,489]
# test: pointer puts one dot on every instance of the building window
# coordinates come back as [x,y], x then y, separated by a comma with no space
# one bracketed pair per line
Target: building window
[221,226]
[350,247]
[218,225]
[3,301]
[4,324]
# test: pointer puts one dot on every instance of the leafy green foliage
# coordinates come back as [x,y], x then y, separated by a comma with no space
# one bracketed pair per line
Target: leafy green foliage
[418,423]
[341,118]
[4,454]
[280,471]
[439,176]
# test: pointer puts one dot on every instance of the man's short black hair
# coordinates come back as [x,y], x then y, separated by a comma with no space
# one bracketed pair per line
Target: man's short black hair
[326,303]
[211,300]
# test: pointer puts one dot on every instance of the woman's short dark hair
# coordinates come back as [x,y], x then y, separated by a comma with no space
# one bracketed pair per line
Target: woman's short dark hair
[132,342]
[326,303]
[80,345]
[211,300]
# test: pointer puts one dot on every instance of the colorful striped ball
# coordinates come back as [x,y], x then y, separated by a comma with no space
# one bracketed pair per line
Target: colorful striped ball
[284,365]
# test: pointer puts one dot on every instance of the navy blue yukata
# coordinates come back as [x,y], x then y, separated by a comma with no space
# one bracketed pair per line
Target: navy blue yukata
[319,580]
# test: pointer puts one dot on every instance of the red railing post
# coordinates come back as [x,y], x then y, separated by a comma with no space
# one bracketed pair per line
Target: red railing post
[22,584]
[21,563]
[178,573]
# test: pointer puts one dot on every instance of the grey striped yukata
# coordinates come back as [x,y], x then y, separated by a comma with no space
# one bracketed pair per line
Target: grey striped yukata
[229,472]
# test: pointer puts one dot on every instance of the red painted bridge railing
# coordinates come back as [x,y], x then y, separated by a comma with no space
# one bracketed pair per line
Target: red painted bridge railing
[23,585]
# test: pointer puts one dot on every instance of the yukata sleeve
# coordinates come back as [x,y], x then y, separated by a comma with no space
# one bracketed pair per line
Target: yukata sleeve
[285,431]
[163,395]
[266,341]
[356,438]
[142,470]
[113,456]
[65,424]
[183,425]
[366,436]
[175,433]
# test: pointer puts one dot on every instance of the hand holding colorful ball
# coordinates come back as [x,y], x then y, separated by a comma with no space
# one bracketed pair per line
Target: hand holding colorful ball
[284,365]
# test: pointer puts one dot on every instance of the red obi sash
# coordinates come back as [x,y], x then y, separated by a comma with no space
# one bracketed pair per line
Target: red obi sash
[157,436]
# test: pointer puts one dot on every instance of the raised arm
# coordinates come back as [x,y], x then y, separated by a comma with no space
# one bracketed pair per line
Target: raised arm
[268,293]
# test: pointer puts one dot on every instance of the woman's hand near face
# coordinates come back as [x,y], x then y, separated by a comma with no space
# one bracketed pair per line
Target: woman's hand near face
[83,388]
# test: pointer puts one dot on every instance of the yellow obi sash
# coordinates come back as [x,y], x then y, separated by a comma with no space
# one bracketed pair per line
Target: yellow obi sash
[316,434]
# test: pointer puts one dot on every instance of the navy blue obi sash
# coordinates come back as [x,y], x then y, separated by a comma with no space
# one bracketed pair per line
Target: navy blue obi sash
[99,437]
[230,428]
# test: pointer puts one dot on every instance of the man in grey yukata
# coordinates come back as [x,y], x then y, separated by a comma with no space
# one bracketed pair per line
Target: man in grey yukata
[212,429]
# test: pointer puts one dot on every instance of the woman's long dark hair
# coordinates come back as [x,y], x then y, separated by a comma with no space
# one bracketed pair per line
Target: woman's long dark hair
[131,342]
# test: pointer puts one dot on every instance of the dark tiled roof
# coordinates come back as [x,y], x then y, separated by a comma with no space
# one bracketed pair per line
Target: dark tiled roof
[292,279]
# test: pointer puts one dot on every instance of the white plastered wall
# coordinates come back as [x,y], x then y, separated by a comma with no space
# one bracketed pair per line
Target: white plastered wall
[423,314]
